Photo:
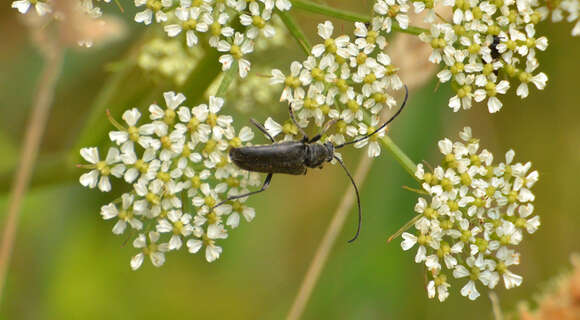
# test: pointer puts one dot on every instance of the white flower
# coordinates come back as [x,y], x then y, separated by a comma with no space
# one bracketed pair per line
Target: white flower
[156,7]
[125,215]
[392,8]
[539,80]
[192,20]
[99,175]
[340,46]
[42,7]
[178,224]
[212,251]
[237,49]
[257,22]
[149,248]
[475,217]
[181,153]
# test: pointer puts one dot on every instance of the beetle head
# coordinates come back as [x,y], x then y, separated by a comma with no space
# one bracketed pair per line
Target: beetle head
[330,149]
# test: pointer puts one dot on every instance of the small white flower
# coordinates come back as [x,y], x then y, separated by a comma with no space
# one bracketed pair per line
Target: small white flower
[42,7]
[238,48]
[99,175]
[149,248]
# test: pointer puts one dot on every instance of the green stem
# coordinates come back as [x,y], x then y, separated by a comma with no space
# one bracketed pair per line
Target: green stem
[399,155]
[330,11]
[410,29]
[295,30]
[348,16]
[229,76]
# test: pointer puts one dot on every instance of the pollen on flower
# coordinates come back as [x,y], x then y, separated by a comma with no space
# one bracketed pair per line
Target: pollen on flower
[475,215]
[177,173]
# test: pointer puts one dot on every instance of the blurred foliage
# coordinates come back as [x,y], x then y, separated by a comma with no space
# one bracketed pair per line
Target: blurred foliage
[68,265]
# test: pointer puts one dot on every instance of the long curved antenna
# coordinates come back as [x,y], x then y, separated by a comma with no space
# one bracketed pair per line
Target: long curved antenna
[357,199]
[381,127]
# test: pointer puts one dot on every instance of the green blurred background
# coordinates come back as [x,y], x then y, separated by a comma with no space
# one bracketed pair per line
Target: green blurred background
[68,265]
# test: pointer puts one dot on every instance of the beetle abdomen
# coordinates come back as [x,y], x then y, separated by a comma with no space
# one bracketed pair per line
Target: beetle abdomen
[285,157]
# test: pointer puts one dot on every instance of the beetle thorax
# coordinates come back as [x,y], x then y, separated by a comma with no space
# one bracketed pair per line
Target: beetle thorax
[317,154]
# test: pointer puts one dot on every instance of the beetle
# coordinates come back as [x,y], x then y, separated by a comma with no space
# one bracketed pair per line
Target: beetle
[493,48]
[295,157]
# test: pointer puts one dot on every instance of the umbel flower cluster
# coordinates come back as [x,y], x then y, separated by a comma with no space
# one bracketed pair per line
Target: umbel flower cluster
[476,213]
[216,20]
[560,9]
[345,80]
[177,165]
[488,48]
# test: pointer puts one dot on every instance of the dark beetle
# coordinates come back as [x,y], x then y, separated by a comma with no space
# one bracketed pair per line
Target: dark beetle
[495,54]
[295,157]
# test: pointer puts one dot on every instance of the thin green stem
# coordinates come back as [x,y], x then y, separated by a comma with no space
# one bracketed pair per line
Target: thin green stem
[295,30]
[348,16]
[330,11]
[404,228]
[410,29]
[228,78]
[399,155]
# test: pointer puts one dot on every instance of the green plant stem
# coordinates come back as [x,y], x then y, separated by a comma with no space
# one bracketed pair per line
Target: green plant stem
[329,11]
[227,80]
[348,16]
[295,31]
[399,155]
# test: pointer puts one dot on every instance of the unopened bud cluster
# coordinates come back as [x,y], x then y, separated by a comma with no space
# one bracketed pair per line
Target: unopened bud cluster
[475,215]
[177,165]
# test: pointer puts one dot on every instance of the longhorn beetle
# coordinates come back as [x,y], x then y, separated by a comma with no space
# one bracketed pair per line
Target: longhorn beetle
[294,157]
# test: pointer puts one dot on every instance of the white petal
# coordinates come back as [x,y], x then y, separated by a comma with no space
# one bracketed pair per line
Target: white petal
[194,245]
[90,179]
[212,253]
[91,155]
[409,241]
[137,261]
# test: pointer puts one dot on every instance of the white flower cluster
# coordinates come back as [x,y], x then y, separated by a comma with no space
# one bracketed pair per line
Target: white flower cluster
[41,7]
[216,18]
[344,80]
[48,10]
[485,43]
[178,168]
[477,213]
[46,7]
[168,58]
[559,9]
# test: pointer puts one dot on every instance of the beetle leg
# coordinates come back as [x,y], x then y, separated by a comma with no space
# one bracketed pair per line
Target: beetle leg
[261,128]
[304,135]
[328,125]
[264,187]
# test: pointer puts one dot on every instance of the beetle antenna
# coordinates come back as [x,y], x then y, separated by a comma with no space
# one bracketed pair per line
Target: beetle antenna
[357,199]
[381,127]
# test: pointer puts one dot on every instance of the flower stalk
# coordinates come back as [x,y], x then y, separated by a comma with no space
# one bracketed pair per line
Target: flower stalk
[229,76]
[54,56]
[295,31]
[399,155]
